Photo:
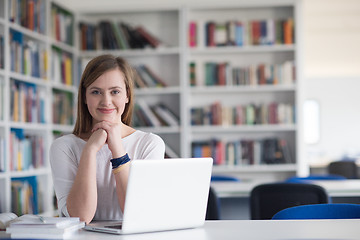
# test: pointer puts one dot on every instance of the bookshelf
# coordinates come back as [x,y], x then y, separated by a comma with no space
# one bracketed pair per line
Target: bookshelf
[165,60]
[252,50]
[31,78]
[274,58]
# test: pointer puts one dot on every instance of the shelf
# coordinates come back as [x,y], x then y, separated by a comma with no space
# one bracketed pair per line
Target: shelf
[243,128]
[62,128]
[3,175]
[255,168]
[29,126]
[63,46]
[244,49]
[132,52]
[34,35]
[160,130]
[242,89]
[64,87]
[32,172]
[28,79]
[157,91]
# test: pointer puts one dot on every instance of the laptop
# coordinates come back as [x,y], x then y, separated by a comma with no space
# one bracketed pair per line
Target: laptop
[166,194]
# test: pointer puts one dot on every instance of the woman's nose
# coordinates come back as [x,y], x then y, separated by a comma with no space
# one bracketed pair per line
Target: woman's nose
[106,99]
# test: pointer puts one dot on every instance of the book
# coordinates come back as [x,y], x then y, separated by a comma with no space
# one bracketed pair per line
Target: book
[67,228]
[151,39]
[39,227]
[5,219]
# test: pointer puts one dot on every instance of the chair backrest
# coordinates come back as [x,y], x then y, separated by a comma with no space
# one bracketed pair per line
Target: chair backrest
[297,179]
[213,206]
[344,168]
[320,211]
[268,199]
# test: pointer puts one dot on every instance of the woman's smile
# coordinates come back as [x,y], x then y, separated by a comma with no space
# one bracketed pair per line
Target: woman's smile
[106,110]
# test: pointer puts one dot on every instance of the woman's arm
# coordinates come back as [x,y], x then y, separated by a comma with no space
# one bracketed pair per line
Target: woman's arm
[114,141]
[82,199]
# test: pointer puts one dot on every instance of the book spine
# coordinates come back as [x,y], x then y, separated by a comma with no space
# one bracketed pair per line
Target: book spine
[192,34]
[26,14]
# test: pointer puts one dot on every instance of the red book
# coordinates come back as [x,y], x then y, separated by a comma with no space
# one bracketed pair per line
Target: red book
[30,15]
[192,34]
[256,32]
[210,34]
[261,74]
[153,41]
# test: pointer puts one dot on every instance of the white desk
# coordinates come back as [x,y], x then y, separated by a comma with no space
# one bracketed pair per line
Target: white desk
[335,188]
[249,230]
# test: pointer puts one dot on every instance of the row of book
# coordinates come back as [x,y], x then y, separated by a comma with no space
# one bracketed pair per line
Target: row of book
[62,67]
[63,103]
[2,52]
[242,33]
[2,155]
[248,114]
[146,115]
[115,35]
[26,151]
[244,151]
[146,77]
[27,57]
[223,74]
[29,14]
[27,102]
[25,196]
[62,22]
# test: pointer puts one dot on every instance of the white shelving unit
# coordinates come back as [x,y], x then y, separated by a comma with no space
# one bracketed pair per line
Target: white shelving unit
[166,60]
[173,60]
[42,129]
[231,95]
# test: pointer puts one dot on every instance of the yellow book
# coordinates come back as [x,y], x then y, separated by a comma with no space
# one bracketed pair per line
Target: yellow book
[68,71]
[16,105]
[19,160]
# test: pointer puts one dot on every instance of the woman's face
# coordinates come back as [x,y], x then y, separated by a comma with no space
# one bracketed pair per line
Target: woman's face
[106,97]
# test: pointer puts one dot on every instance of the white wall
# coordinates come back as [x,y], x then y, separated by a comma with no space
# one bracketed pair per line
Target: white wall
[332,75]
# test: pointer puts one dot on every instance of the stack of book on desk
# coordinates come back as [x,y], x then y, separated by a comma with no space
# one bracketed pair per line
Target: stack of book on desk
[37,227]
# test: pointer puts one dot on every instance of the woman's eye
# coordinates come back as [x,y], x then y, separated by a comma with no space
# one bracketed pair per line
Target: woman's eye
[115,92]
[95,92]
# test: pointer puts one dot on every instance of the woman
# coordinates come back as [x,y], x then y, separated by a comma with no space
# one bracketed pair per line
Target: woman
[90,167]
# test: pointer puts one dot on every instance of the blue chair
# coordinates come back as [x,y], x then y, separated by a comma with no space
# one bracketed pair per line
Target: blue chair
[296,179]
[268,199]
[320,211]
[224,178]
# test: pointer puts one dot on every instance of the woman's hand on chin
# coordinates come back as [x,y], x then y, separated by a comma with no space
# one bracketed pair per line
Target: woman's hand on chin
[98,138]
[114,136]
